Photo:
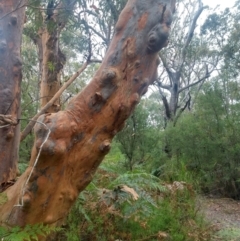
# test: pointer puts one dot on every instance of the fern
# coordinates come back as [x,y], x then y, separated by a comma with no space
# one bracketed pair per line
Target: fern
[138,180]
[131,206]
[147,188]
[29,232]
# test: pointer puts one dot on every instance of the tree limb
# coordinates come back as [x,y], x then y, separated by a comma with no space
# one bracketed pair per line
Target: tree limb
[187,104]
[207,75]
[191,32]
[165,103]
[165,65]
[95,31]
[30,125]
[160,85]
[113,10]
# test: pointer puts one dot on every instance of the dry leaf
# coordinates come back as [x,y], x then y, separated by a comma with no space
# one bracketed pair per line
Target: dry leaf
[130,190]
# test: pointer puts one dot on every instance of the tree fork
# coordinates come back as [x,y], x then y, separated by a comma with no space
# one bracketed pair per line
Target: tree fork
[81,135]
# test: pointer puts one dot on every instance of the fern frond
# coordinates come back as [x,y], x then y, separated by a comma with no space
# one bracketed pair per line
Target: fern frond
[138,180]
[28,233]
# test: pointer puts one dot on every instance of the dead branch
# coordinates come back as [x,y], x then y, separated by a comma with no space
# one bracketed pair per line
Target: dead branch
[30,125]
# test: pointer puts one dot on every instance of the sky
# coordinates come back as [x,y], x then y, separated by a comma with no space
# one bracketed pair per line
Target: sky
[223,3]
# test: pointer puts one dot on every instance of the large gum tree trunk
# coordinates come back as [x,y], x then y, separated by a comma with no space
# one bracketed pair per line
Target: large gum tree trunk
[81,135]
[11,24]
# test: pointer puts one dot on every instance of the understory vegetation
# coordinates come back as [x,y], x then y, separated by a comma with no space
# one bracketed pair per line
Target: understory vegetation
[151,193]
[143,192]
[135,206]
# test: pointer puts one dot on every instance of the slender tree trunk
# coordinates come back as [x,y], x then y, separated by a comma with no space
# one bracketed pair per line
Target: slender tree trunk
[11,25]
[171,105]
[52,64]
[49,52]
[174,96]
[70,144]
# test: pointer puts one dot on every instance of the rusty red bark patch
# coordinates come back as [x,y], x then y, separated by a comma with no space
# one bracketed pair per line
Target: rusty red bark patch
[142,21]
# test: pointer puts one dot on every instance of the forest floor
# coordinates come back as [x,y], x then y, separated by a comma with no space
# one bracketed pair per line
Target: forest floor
[224,216]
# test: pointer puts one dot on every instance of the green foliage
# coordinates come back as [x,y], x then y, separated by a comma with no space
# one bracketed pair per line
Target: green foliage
[28,233]
[3,198]
[176,170]
[232,234]
[224,27]
[139,140]
[206,143]
[28,110]
[51,66]
[134,206]
[29,97]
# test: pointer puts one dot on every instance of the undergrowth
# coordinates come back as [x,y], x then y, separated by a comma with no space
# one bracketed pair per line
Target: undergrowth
[135,206]
[230,234]
[28,233]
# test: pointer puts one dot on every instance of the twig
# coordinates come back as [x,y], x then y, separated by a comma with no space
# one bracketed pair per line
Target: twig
[1,127]
[36,160]
[34,165]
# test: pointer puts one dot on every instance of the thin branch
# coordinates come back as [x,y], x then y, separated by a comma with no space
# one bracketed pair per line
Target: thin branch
[207,75]
[96,61]
[90,12]
[184,99]
[165,65]
[30,125]
[32,101]
[96,32]
[113,10]
[30,6]
[197,92]
[70,96]
[160,85]
[187,104]
[35,162]
[7,120]
[160,75]
[165,103]
[191,32]
[87,26]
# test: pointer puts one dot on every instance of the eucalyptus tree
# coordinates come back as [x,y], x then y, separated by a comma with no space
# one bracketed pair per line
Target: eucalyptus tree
[232,43]
[45,23]
[11,25]
[223,27]
[187,62]
[206,139]
[69,145]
